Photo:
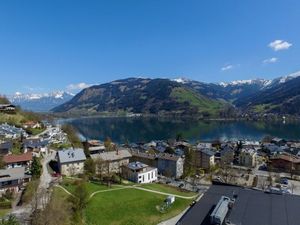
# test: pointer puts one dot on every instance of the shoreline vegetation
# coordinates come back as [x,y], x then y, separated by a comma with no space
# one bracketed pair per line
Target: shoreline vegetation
[267,117]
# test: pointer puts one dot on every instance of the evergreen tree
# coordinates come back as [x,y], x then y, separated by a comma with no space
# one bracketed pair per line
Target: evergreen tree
[36,168]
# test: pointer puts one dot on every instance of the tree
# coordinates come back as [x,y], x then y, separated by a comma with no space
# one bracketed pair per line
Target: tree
[90,167]
[101,167]
[188,168]
[79,201]
[108,144]
[169,150]
[179,137]
[2,163]
[72,135]
[36,168]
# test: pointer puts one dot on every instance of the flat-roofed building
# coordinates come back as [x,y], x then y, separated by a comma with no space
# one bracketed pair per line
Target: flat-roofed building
[139,173]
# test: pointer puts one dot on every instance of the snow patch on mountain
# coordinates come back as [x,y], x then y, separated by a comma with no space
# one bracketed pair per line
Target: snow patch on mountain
[289,77]
[181,80]
[246,82]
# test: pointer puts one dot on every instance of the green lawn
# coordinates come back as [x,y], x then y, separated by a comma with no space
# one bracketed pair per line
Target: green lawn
[70,185]
[169,189]
[4,212]
[128,206]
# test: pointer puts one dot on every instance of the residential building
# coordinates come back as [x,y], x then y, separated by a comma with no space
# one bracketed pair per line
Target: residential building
[13,179]
[15,161]
[36,146]
[204,158]
[248,157]
[93,146]
[226,155]
[5,147]
[167,164]
[284,163]
[32,125]
[7,108]
[71,161]
[113,160]
[139,173]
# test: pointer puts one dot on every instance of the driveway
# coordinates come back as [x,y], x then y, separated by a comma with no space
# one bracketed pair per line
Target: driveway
[23,213]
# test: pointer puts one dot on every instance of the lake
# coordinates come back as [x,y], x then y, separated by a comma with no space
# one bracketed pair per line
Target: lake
[141,129]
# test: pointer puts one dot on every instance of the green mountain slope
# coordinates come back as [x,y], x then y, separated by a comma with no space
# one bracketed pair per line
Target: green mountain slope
[147,96]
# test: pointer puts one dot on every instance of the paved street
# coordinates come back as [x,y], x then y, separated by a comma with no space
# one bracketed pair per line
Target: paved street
[24,212]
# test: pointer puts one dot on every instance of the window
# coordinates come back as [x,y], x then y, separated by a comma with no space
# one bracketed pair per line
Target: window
[148,176]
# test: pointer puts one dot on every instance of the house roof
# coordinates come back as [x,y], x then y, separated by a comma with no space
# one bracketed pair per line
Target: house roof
[113,155]
[286,157]
[136,165]
[71,155]
[165,156]
[207,151]
[251,207]
[12,174]
[35,143]
[17,158]
[6,145]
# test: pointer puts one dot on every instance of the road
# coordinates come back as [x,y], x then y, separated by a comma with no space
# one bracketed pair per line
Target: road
[23,213]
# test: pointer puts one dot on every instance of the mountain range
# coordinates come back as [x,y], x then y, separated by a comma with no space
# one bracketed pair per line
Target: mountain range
[188,97]
[40,102]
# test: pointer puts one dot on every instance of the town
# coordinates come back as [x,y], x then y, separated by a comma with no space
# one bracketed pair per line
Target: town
[44,164]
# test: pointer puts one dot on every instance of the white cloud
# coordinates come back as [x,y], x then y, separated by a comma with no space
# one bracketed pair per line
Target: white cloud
[79,86]
[270,60]
[278,45]
[227,67]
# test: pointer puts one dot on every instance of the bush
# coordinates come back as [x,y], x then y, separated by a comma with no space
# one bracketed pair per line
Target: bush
[30,190]
[6,204]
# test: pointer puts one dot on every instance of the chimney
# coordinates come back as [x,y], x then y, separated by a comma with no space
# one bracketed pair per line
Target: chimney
[117,150]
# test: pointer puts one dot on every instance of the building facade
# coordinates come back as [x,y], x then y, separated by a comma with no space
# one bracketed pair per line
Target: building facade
[71,161]
[139,173]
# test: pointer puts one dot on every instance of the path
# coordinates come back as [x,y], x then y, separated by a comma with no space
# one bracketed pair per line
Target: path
[23,213]
[133,187]
[164,193]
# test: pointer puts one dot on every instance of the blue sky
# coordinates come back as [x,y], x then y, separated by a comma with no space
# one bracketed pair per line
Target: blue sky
[48,45]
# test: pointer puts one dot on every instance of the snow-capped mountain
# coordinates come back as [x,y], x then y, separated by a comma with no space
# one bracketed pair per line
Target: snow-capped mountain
[40,102]
[261,82]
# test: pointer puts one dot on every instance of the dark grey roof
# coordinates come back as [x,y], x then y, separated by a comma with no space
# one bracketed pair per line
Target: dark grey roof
[12,174]
[207,151]
[136,165]
[71,155]
[35,143]
[6,145]
[251,207]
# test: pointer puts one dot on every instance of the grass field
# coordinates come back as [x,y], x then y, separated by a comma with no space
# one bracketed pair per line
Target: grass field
[129,206]
[92,187]
[4,212]
[168,189]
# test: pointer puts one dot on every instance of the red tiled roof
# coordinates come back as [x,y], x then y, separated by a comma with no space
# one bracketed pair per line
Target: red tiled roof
[17,158]
[288,158]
